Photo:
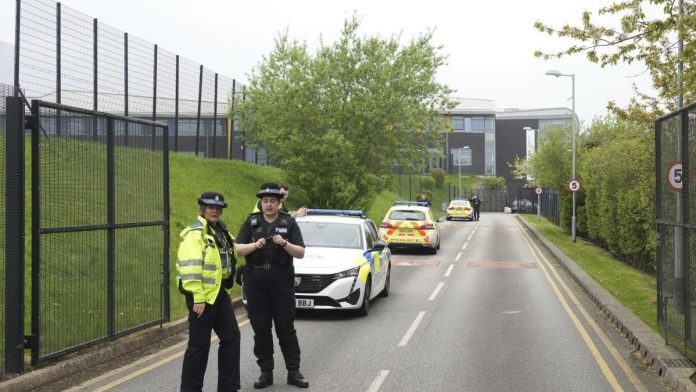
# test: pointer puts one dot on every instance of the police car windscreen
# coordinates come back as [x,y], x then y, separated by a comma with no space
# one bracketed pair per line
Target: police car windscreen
[459,202]
[331,235]
[406,215]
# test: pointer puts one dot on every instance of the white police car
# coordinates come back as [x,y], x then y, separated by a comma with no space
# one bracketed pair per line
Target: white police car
[345,266]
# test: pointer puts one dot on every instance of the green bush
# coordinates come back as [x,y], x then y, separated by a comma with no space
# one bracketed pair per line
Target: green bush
[427,183]
[493,183]
[439,175]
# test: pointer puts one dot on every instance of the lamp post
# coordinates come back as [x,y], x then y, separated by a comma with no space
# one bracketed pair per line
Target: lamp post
[572,76]
[459,165]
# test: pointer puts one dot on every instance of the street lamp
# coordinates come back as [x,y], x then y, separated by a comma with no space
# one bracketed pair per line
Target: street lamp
[572,76]
[459,165]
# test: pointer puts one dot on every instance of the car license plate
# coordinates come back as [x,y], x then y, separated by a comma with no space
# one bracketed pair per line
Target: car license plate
[304,303]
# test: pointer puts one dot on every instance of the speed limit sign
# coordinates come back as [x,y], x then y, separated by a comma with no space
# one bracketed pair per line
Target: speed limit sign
[675,176]
[574,185]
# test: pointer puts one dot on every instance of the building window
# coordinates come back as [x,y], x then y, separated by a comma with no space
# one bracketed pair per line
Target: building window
[457,123]
[461,156]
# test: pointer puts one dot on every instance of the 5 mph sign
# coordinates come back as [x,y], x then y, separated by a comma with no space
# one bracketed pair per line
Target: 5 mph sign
[574,185]
[675,176]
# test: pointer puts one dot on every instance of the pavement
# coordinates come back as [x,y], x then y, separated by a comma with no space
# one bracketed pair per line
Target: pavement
[666,361]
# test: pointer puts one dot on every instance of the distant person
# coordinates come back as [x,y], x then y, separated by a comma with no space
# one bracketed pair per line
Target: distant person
[205,272]
[270,240]
[476,203]
[423,198]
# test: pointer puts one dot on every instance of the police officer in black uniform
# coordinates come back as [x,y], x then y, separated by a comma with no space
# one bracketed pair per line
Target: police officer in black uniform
[270,239]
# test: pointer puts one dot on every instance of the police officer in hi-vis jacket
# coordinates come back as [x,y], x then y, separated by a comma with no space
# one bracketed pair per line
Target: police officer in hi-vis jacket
[205,272]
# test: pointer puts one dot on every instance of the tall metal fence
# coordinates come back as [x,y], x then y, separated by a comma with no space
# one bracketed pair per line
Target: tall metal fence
[527,201]
[99,240]
[491,201]
[66,57]
[5,91]
[675,153]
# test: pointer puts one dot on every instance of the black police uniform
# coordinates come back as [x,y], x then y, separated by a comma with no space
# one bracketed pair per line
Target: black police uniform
[269,279]
[477,207]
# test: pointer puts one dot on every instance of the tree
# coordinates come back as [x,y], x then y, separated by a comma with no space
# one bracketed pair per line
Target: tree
[337,121]
[493,183]
[639,38]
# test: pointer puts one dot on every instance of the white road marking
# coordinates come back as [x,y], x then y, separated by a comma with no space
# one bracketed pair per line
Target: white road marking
[412,329]
[377,382]
[464,246]
[437,290]
[470,235]
[449,270]
[458,256]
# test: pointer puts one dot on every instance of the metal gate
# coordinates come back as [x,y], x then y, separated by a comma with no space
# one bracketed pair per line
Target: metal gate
[99,230]
[491,201]
[676,228]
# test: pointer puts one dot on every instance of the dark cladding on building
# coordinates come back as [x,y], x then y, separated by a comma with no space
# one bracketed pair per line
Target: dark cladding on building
[480,140]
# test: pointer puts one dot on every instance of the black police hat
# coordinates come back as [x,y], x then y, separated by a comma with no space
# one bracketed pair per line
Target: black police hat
[212,199]
[270,189]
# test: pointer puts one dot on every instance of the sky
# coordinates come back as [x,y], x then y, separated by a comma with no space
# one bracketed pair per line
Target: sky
[489,44]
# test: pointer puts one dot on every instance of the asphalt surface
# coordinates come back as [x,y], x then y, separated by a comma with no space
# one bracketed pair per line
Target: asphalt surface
[492,311]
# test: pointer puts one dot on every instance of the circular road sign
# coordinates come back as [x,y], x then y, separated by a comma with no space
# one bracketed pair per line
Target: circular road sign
[574,185]
[675,176]
[538,191]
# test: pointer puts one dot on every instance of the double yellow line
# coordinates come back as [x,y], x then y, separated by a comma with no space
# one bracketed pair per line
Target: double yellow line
[606,370]
[178,350]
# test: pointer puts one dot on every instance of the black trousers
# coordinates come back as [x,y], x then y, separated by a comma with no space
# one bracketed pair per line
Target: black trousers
[476,214]
[218,317]
[271,300]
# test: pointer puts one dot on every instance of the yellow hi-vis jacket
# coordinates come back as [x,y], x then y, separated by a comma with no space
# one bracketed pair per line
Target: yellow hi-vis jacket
[202,267]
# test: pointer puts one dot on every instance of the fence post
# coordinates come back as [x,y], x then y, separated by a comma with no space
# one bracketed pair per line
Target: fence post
[684,194]
[33,341]
[243,132]
[215,120]
[165,211]
[154,100]
[18,22]
[125,89]
[95,104]
[198,116]
[111,231]
[14,236]
[230,131]
[58,66]
[176,108]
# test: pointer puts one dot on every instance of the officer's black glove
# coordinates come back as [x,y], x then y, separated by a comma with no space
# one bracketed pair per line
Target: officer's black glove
[240,274]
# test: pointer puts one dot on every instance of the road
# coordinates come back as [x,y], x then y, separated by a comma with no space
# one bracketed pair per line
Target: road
[490,312]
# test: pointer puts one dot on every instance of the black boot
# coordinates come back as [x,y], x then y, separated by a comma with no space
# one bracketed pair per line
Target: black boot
[297,379]
[265,380]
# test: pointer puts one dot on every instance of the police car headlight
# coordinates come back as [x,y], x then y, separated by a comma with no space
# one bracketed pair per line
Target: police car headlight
[347,273]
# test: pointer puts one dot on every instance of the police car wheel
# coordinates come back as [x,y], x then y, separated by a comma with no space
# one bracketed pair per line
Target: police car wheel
[385,290]
[365,307]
